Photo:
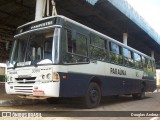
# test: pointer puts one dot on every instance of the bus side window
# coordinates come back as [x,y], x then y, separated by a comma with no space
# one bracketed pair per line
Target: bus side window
[80,45]
[144,61]
[69,41]
[138,61]
[128,57]
[150,66]
[153,66]
[77,48]
[67,58]
[115,53]
[97,48]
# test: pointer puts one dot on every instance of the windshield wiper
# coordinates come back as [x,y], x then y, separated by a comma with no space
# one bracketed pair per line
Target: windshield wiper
[34,63]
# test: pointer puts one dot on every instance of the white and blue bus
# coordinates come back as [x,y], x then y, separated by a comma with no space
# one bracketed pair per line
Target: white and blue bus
[58,57]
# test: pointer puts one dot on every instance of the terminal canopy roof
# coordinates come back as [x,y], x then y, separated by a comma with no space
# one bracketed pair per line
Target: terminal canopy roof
[111,17]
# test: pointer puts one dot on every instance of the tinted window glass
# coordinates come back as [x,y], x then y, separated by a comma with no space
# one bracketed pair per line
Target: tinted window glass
[77,49]
[126,53]
[115,55]
[128,60]
[138,62]
[97,41]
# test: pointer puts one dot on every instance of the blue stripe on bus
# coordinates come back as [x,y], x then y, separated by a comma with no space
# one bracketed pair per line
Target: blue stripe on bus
[76,85]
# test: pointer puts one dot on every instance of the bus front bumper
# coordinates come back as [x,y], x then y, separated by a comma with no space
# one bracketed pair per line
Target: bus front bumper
[40,89]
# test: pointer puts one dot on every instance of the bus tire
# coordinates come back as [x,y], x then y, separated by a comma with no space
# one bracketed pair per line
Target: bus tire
[140,95]
[93,96]
[52,100]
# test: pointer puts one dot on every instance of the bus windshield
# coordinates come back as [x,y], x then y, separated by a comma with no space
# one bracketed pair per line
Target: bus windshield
[35,48]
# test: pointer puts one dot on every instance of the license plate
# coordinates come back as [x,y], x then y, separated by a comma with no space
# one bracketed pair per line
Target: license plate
[38,92]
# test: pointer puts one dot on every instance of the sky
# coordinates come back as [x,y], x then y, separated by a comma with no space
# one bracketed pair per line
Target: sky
[149,10]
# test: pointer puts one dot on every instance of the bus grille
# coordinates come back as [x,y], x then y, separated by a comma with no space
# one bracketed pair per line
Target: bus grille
[23,89]
[25,80]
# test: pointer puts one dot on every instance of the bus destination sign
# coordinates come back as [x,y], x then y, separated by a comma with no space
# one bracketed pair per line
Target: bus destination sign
[48,23]
[36,25]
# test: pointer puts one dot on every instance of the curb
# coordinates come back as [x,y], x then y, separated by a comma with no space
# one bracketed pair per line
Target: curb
[5,103]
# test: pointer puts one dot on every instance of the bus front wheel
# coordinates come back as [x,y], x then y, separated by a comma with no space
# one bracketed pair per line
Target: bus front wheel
[93,96]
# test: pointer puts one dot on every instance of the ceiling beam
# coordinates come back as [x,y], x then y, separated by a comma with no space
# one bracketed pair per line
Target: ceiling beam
[15,16]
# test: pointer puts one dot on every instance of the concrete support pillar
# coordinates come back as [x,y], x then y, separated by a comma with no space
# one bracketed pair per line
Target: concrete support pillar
[152,54]
[125,37]
[39,9]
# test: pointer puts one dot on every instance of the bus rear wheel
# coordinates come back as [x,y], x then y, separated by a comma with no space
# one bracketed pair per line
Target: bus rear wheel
[140,95]
[93,96]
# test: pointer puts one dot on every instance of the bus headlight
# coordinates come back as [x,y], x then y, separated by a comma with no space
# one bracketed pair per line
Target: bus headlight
[43,77]
[48,76]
